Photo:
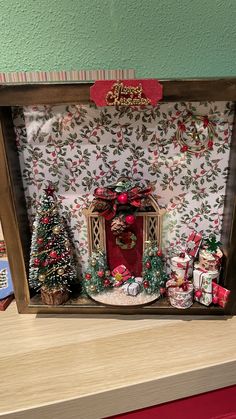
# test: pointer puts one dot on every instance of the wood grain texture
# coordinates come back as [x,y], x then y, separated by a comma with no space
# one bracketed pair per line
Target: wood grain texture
[13,213]
[174,90]
[56,367]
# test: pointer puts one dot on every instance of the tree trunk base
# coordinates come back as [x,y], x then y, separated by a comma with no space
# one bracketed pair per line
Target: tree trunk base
[54,297]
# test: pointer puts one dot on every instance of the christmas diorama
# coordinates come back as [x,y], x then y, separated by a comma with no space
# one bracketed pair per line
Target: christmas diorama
[126,206]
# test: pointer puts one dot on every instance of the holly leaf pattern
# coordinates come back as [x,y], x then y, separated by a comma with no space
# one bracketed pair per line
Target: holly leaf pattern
[80,147]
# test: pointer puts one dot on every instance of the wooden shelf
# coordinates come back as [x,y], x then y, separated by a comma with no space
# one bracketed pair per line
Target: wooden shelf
[70,367]
[83,305]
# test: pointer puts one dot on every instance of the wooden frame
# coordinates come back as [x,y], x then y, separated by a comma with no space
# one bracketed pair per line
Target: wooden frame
[13,208]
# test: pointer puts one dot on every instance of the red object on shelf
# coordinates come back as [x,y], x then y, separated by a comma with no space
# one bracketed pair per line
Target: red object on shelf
[126,92]
[4,303]
[131,258]
[221,294]
[218,404]
[193,243]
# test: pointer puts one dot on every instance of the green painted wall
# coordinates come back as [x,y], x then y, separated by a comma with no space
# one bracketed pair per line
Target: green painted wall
[159,38]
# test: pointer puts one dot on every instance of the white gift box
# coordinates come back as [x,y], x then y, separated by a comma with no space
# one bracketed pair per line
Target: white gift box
[202,281]
[139,280]
[209,260]
[213,274]
[182,266]
[131,288]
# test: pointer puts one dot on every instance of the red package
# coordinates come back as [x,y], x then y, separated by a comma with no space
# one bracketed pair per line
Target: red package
[120,274]
[193,244]
[220,294]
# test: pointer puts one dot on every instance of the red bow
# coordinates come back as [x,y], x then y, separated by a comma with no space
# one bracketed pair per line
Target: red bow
[105,200]
[174,284]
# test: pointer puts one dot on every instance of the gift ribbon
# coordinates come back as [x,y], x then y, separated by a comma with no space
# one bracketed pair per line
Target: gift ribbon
[200,284]
[197,243]
[182,265]
[121,274]
[180,285]
[135,196]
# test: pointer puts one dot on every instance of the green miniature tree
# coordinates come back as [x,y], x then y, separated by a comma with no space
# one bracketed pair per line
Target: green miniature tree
[52,266]
[97,277]
[154,276]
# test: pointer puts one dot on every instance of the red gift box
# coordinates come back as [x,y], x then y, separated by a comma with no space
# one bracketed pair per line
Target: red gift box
[220,293]
[120,274]
[193,243]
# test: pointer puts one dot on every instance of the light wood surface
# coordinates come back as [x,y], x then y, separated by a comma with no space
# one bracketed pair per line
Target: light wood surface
[73,367]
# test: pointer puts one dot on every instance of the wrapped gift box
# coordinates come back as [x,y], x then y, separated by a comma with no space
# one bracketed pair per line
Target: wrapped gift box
[220,294]
[193,243]
[178,297]
[182,266]
[213,274]
[131,288]
[120,275]
[209,260]
[202,282]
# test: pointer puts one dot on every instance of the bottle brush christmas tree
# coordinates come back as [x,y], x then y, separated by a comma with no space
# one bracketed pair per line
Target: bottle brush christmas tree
[52,268]
[97,277]
[154,276]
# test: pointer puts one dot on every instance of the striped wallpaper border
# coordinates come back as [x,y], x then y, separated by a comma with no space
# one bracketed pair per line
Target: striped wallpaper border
[24,77]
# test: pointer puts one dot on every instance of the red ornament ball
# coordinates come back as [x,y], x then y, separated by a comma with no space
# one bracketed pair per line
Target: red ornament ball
[36,262]
[184,148]
[40,240]
[45,263]
[162,291]
[148,264]
[146,284]
[106,282]
[100,274]
[215,300]
[122,198]
[198,294]
[45,220]
[159,253]
[53,254]
[130,219]
[88,276]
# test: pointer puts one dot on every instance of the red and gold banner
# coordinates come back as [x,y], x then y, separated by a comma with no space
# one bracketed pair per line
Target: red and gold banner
[126,92]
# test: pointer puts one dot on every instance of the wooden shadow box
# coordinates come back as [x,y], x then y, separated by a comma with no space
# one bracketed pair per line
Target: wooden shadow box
[13,209]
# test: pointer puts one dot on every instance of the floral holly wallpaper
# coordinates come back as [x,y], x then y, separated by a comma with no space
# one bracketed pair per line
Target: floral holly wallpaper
[79,148]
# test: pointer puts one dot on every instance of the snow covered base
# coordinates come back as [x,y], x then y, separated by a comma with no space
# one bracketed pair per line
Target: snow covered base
[117,297]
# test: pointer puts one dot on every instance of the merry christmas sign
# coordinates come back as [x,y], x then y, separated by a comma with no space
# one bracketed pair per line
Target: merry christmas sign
[126,92]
